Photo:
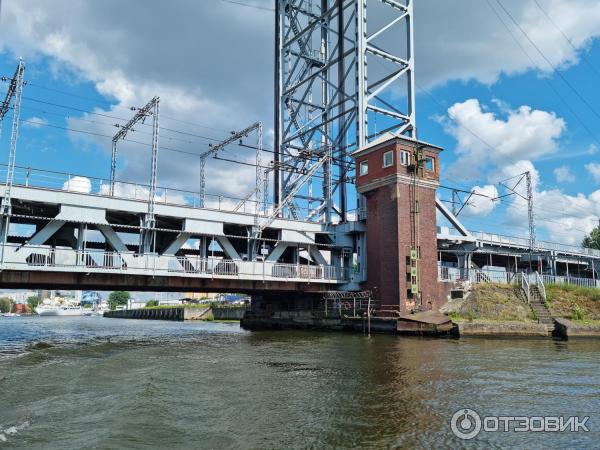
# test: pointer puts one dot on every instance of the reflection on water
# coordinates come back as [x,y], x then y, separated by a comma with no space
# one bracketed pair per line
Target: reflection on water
[110,383]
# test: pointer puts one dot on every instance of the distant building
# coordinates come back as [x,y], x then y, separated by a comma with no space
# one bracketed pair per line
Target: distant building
[132,303]
[19,297]
[21,308]
[190,297]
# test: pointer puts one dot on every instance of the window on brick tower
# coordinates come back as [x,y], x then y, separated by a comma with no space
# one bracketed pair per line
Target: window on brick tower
[388,159]
[364,167]
[404,158]
[429,164]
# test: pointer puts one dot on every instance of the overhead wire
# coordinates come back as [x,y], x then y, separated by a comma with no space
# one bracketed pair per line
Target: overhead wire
[552,66]
[564,35]
[552,87]
[96,100]
[248,5]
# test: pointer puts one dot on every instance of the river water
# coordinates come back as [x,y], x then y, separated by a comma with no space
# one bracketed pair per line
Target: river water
[112,383]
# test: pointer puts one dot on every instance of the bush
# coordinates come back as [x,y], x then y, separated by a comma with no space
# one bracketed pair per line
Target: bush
[6,305]
[151,303]
[578,313]
[117,298]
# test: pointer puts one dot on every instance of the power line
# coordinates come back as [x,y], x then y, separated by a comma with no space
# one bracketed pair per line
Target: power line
[554,69]
[109,116]
[566,38]
[248,5]
[96,100]
[465,191]
[542,218]
[477,136]
[58,91]
[556,91]
[265,148]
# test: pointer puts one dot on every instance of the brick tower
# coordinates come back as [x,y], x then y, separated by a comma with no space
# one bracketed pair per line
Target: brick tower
[397,178]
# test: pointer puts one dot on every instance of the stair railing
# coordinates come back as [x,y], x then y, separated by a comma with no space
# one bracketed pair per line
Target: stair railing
[540,284]
[525,286]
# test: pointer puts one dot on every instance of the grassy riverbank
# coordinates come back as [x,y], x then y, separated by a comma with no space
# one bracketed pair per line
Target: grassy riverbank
[575,303]
[490,303]
[194,305]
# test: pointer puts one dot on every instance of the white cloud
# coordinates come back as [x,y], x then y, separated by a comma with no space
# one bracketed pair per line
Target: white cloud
[231,84]
[484,138]
[447,49]
[563,174]
[34,122]
[141,192]
[565,218]
[559,217]
[78,184]
[481,203]
[594,170]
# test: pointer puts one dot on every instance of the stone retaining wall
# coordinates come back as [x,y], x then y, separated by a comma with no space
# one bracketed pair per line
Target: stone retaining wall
[502,329]
[568,329]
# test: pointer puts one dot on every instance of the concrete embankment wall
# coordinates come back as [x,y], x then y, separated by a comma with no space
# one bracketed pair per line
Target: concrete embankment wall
[502,329]
[568,329]
[179,314]
[228,313]
[307,320]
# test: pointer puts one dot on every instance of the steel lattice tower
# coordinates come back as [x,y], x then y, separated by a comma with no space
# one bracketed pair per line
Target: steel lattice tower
[327,103]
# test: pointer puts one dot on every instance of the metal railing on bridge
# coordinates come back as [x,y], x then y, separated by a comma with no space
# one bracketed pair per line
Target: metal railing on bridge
[83,184]
[455,274]
[499,239]
[37,258]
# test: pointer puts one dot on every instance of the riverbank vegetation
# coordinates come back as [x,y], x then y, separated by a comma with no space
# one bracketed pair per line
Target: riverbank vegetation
[490,303]
[118,298]
[195,305]
[573,302]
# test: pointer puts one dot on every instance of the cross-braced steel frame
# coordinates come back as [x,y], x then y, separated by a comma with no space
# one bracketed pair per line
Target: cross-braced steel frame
[327,103]
[152,108]
[14,94]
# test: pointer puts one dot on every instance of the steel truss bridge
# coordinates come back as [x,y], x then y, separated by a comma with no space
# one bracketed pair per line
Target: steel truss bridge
[487,257]
[62,237]
[113,234]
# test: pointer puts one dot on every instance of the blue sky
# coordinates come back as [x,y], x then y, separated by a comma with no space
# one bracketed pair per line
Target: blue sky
[471,64]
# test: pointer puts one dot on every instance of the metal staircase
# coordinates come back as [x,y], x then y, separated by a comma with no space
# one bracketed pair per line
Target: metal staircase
[535,293]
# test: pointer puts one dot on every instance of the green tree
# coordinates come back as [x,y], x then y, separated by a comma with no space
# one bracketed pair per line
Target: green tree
[151,303]
[593,240]
[6,305]
[33,301]
[118,298]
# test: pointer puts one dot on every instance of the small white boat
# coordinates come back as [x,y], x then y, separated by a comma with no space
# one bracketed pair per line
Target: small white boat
[59,307]
[59,310]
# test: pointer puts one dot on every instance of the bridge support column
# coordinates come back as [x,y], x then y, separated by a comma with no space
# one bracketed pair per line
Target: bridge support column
[41,236]
[316,255]
[81,237]
[112,238]
[227,247]
[277,252]
[202,247]
[464,264]
[148,235]
[177,243]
